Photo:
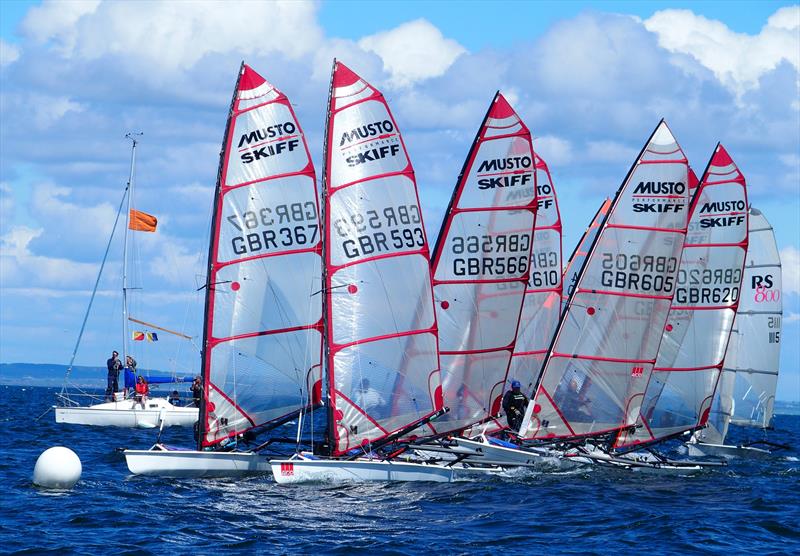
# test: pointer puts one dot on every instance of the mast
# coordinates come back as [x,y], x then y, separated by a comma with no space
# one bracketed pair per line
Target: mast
[204,355]
[326,354]
[129,188]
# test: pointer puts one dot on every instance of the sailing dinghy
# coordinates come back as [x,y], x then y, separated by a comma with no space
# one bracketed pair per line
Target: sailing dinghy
[595,370]
[382,378]
[695,338]
[123,410]
[262,336]
[746,391]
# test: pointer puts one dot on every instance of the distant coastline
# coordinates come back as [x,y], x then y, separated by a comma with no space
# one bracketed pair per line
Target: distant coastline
[49,375]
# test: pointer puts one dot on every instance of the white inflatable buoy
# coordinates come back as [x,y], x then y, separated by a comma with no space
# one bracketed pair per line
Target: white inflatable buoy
[57,467]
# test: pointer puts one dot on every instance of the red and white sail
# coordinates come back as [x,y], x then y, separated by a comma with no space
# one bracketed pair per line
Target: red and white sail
[681,388]
[596,371]
[263,330]
[543,291]
[481,264]
[381,336]
[746,393]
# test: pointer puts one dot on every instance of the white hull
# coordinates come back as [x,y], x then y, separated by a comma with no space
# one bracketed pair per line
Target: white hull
[637,461]
[161,462]
[300,470]
[129,413]
[700,449]
[526,457]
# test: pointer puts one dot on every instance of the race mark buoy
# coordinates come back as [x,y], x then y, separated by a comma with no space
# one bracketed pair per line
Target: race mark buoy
[57,467]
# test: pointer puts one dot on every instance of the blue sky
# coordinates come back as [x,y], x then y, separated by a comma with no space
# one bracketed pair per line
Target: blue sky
[591,79]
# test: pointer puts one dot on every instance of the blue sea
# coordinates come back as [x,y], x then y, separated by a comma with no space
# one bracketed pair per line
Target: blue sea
[751,506]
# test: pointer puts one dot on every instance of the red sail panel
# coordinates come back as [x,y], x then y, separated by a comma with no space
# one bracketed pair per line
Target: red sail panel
[481,265]
[542,305]
[263,330]
[381,336]
[681,388]
[597,368]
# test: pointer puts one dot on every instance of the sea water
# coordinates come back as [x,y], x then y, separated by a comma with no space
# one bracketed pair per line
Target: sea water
[751,506]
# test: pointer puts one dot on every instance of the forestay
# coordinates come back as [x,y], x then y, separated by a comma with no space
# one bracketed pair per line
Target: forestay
[481,265]
[542,305]
[678,397]
[597,368]
[746,393]
[381,337]
[263,330]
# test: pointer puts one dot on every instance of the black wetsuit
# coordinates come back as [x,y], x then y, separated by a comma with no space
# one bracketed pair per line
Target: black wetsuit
[514,404]
[114,366]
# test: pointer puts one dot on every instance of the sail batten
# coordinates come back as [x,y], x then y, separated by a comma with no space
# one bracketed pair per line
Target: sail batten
[381,330]
[696,335]
[481,264]
[263,330]
[601,356]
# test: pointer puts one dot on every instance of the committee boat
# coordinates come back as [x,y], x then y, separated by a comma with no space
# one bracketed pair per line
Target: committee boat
[121,408]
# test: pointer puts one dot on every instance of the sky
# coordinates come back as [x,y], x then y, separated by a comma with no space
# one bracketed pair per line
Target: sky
[591,80]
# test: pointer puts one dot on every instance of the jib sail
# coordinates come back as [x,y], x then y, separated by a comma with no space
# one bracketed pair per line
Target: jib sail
[746,393]
[263,330]
[381,335]
[542,305]
[481,264]
[598,365]
[678,397]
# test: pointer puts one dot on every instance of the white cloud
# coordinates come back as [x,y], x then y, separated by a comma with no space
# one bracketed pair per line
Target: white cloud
[20,267]
[84,223]
[738,60]
[48,110]
[554,150]
[791,317]
[610,151]
[170,35]
[176,264]
[6,203]
[9,53]
[413,52]
[790,265]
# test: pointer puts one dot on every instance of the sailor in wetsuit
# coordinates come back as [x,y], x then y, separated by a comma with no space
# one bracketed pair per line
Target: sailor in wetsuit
[514,404]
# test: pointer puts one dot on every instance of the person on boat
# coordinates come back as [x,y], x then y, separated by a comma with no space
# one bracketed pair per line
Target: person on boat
[197,391]
[574,404]
[114,365]
[130,363]
[174,398]
[142,390]
[514,404]
[367,397]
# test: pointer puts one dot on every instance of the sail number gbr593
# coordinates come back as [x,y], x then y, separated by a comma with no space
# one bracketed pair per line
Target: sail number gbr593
[376,232]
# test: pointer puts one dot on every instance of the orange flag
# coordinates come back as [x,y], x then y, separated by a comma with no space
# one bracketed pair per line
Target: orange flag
[142,221]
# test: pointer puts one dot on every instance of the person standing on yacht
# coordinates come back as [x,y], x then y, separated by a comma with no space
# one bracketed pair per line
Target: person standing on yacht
[114,365]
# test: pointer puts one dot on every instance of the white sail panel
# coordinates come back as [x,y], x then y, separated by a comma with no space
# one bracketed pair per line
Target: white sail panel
[383,368]
[578,257]
[263,331]
[481,263]
[696,334]
[632,263]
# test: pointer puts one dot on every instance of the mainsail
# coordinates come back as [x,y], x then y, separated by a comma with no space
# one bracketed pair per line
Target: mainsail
[746,393]
[263,330]
[381,333]
[597,367]
[542,305]
[678,397]
[481,265]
